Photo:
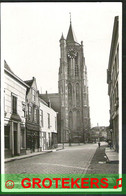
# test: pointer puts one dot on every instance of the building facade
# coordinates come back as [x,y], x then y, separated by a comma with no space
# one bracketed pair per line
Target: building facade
[48,126]
[98,133]
[32,118]
[73,90]
[30,123]
[14,113]
[113,85]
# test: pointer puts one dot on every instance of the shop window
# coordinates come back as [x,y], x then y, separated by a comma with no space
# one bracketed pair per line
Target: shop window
[7,137]
[55,123]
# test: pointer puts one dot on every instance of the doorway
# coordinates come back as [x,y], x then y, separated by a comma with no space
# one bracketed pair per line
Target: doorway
[15,139]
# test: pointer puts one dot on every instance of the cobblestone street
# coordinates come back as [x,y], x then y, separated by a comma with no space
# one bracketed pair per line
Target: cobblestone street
[71,160]
[74,159]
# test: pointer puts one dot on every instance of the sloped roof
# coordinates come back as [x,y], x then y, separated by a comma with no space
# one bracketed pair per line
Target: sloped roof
[29,82]
[71,36]
[6,66]
[54,99]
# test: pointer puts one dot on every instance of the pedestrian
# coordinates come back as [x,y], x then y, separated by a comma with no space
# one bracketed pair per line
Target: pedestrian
[110,144]
[99,144]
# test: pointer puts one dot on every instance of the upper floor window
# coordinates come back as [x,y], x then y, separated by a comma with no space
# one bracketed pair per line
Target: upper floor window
[35,114]
[14,104]
[24,108]
[29,112]
[41,117]
[33,95]
[48,120]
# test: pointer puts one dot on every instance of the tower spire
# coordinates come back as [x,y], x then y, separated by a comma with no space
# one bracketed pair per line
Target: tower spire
[70,17]
[71,36]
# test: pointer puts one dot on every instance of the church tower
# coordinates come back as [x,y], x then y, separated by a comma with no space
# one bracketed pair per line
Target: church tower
[73,90]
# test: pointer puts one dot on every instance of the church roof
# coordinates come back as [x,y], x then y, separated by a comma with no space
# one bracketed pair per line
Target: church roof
[71,36]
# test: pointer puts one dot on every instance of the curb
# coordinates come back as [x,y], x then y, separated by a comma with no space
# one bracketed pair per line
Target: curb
[24,157]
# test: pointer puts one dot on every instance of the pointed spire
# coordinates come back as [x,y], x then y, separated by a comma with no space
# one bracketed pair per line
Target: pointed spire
[70,17]
[70,36]
[62,37]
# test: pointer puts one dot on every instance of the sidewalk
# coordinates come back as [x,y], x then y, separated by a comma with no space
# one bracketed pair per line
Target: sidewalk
[111,155]
[99,163]
[26,156]
[32,154]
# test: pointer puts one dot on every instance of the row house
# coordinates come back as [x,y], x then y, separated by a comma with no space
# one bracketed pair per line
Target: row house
[30,124]
[14,113]
[48,125]
[32,116]
[113,84]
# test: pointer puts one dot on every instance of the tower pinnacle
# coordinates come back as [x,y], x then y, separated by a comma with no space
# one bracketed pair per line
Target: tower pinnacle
[70,17]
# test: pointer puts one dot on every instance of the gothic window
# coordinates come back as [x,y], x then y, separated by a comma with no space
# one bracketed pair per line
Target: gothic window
[78,119]
[76,67]
[70,120]
[68,66]
[69,94]
[77,95]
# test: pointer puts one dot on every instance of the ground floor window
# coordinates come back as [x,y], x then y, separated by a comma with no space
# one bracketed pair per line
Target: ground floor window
[22,142]
[32,139]
[7,137]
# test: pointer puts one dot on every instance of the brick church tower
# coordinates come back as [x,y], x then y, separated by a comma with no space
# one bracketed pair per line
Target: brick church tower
[73,90]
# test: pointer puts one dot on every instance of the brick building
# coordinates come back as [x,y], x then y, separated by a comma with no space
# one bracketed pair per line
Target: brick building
[71,102]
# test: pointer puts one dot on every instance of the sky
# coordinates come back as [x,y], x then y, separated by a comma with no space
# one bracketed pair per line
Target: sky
[30,34]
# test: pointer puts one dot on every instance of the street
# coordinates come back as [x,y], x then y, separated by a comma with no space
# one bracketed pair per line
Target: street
[71,160]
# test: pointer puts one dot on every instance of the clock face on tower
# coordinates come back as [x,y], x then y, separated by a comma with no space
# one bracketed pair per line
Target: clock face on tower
[72,53]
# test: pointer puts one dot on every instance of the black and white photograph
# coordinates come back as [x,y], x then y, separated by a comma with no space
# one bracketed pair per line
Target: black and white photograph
[61,88]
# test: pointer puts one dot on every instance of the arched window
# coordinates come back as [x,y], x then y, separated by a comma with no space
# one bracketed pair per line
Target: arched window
[76,66]
[69,94]
[70,120]
[78,120]
[68,66]
[77,94]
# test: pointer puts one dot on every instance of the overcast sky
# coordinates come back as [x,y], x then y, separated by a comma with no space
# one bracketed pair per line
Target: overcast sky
[30,44]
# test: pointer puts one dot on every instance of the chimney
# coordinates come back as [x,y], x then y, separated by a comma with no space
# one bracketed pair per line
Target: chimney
[49,103]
